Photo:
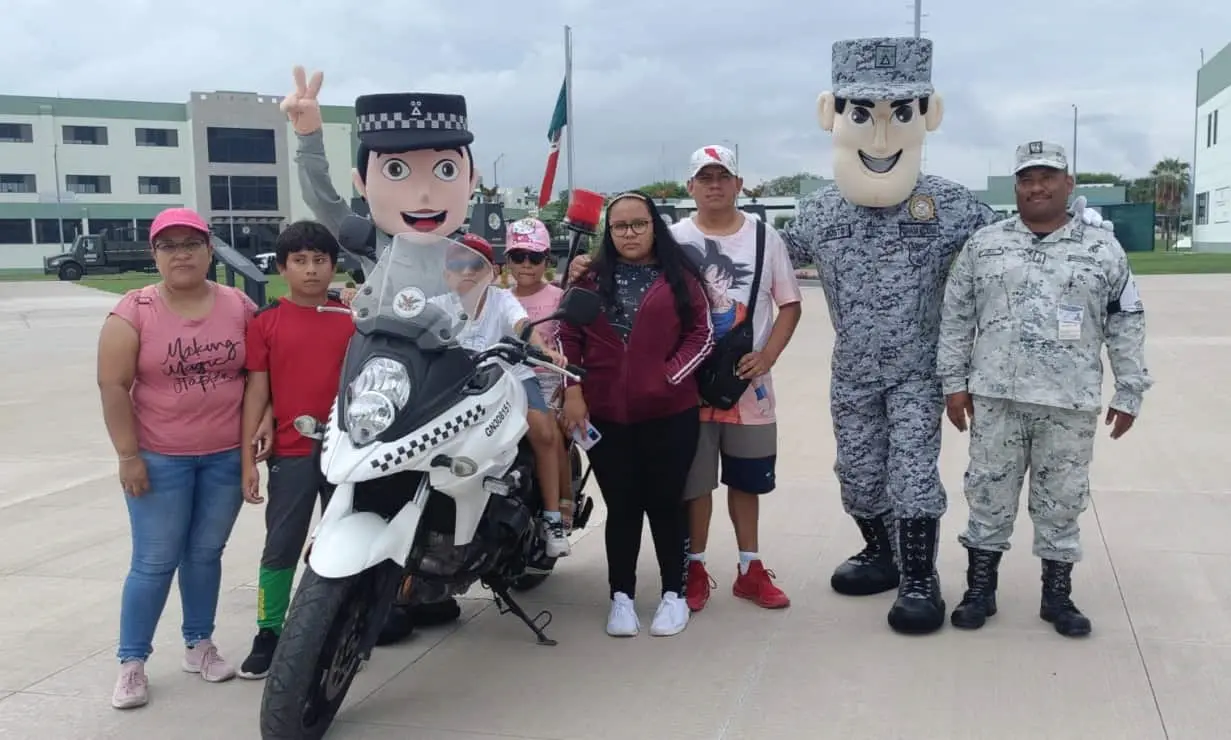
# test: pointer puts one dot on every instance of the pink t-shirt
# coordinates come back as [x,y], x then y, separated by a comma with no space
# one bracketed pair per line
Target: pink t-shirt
[728,265]
[189,389]
[541,305]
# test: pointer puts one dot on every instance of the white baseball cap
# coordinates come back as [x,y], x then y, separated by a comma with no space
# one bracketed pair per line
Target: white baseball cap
[713,155]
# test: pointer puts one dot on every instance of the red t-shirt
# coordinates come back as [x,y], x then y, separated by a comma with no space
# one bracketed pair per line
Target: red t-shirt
[302,349]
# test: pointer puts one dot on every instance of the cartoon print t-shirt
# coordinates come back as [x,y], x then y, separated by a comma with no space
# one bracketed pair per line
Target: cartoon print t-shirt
[189,388]
[631,284]
[727,264]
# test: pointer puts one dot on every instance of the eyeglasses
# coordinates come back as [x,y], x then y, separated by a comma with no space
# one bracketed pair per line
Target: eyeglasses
[636,228]
[464,264]
[185,247]
[519,256]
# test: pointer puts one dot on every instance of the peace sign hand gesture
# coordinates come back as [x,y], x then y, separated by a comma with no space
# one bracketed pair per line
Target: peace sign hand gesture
[301,106]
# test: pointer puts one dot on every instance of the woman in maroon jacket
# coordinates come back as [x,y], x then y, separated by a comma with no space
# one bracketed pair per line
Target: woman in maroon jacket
[640,394]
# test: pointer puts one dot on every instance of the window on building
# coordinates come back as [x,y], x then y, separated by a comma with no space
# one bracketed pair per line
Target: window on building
[96,135]
[157,137]
[243,193]
[18,184]
[88,184]
[1215,128]
[158,185]
[143,229]
[16,133]
[241,145]
[47,230]
[1203,209]
[117,228]
[15,231]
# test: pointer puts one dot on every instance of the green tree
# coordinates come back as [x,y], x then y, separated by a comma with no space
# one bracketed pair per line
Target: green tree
[755,192]
[1100,178]
[1172,180]
[664,189]
[786,185]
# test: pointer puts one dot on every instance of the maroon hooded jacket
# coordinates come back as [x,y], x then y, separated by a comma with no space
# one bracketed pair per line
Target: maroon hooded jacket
[652,375]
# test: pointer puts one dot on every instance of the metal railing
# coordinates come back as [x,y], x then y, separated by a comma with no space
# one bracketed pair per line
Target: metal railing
[233,262]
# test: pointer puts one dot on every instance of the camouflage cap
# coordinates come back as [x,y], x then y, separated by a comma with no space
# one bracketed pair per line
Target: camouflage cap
[1040,154]
[882,68]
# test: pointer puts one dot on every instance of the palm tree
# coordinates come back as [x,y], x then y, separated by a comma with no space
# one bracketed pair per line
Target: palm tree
[755,192]
[1172,180]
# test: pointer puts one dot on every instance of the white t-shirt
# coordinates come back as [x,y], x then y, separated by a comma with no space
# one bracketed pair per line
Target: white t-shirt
[498,317]
[727,264]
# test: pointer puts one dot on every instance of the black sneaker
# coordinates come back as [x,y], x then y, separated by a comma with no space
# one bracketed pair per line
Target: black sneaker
[256,665]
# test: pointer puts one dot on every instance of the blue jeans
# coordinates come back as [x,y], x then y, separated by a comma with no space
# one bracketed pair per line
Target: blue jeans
[182,522]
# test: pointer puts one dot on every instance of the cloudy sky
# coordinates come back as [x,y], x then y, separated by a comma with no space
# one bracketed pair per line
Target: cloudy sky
[654,80]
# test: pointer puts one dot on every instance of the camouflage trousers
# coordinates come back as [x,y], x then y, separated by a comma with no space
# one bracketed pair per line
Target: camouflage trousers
[1007,439]
[888,439]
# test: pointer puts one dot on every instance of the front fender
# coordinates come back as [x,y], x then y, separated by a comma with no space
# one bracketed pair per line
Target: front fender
[348,542]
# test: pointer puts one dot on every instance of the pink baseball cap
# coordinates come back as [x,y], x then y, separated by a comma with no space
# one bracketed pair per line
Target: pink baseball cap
[527,235]
[719,156]
[178,217]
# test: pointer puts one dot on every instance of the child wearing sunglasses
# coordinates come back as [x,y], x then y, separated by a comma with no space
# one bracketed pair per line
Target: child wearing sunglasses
[528,249]
[498,313]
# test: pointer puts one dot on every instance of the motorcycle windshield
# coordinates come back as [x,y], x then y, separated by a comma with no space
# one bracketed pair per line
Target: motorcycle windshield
[427,285]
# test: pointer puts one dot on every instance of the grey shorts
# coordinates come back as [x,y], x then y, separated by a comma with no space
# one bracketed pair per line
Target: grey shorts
[534,395]
[747,454]
[295,485]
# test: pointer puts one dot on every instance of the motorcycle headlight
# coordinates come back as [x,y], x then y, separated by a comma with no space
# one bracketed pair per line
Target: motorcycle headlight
[374,398]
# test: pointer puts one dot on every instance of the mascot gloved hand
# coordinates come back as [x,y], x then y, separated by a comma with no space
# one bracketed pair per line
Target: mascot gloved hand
[1089,216]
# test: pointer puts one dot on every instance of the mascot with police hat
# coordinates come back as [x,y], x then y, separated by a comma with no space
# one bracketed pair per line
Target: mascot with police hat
[882,238]
[415,170]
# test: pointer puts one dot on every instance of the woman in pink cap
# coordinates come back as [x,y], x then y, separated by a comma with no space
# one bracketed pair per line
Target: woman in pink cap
[527,249]
[170,371]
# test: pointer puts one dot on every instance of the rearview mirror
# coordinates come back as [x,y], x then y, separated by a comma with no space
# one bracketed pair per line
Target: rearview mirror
[579,307]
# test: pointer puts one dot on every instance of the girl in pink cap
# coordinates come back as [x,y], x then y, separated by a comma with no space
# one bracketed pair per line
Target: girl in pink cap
[528,249]
[171,374]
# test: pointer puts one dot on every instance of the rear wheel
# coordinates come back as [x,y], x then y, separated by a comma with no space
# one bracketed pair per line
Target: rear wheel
[320,651]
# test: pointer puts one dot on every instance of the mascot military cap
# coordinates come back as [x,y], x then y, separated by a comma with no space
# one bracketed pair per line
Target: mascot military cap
[882,69]
[405,122]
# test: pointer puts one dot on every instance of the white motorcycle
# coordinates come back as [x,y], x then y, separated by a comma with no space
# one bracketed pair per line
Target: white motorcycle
[433,477]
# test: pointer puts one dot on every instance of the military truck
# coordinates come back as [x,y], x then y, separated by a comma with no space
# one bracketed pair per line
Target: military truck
[99,254]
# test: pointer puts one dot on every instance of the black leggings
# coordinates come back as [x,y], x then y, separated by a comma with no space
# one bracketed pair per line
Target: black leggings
[641,469]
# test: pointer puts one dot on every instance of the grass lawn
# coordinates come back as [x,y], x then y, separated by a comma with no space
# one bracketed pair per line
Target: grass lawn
[1179,263]
[124,282]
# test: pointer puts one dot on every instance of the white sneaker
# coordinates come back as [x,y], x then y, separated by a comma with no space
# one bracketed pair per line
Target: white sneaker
[671,617]
[622,622]
[555,538]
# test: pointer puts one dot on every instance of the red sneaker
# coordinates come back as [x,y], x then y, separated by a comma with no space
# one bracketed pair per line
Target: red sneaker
[697,587]
[757,586]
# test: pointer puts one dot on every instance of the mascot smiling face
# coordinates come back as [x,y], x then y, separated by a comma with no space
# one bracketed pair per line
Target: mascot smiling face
[880,111]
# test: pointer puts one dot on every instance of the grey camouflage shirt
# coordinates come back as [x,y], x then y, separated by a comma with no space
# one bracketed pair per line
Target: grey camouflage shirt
[883,272]
[1025,318]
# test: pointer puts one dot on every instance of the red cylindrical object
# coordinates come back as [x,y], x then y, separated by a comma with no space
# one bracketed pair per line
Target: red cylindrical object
[585,207]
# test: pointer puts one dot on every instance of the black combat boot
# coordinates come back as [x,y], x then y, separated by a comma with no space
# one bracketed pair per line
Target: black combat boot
[979,601]
[872,570]
[1056,606]
[919,608]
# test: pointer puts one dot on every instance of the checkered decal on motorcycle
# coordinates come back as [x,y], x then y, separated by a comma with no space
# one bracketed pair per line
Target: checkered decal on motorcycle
[428,440]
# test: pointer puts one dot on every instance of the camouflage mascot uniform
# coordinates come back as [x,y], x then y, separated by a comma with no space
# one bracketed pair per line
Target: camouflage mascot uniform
[882,238]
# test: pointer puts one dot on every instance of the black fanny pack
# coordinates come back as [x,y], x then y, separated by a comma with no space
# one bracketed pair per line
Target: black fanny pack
[718,376]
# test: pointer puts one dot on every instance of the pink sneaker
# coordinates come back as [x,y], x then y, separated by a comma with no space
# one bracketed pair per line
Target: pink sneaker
[132,688]
[204,659]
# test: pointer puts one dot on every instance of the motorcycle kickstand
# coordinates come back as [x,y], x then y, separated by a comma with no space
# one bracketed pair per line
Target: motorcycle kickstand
[505,604]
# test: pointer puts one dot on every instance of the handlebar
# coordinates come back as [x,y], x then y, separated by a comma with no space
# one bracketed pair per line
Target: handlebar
[516,352]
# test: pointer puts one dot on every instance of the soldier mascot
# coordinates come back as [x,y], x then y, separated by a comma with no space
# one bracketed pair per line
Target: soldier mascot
[882,238]
[415,170]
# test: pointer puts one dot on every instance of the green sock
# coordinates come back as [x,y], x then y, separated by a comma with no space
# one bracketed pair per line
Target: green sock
[273,597]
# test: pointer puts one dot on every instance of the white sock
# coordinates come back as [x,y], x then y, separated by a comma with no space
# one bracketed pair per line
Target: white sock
[745,560]
[697,556]
[552,516]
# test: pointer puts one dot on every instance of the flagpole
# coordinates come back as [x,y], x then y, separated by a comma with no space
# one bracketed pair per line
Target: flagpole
[568,101]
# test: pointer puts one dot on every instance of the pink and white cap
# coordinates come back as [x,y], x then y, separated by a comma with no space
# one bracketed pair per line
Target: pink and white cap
[527,235]
[172,217]
[713,155]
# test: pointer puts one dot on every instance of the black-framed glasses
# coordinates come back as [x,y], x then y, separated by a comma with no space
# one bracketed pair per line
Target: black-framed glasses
[636,228]
[519,256]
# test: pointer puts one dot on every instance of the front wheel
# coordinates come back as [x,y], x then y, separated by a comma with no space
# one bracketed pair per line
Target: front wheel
[319,652]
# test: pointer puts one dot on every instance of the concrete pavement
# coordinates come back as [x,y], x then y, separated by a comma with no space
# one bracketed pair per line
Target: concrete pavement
[1156,581]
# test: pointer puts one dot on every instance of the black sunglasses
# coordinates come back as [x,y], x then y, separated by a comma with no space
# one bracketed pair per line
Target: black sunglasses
[519,256]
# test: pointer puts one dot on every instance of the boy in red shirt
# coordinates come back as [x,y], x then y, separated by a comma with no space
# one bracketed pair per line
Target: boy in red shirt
[295,356]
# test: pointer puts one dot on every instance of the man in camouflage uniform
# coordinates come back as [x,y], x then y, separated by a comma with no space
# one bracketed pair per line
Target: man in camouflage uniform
[1028,307]
[882,239]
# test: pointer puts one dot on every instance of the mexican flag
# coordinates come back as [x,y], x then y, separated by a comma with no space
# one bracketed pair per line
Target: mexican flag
[559,119]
